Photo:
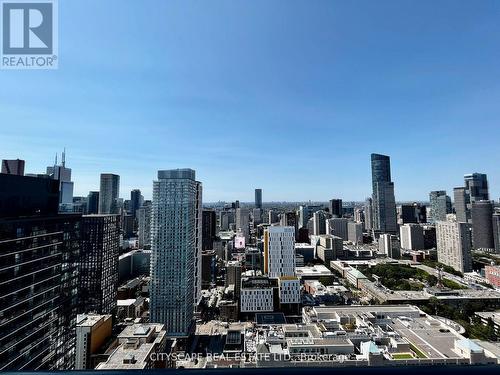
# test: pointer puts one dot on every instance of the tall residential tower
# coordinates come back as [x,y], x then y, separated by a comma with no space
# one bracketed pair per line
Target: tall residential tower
[174,249]
[384,202]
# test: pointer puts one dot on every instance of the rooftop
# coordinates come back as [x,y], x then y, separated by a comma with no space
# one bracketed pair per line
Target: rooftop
[89,320]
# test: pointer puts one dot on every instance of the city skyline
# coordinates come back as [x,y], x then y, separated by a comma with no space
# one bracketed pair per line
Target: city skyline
[250,90]
[249,184]
[146,190]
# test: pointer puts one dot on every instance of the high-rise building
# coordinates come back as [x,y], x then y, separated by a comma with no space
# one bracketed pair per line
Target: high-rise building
[384,202]
[496,231]
[233,276]
[319,223]
[454,243]
[412,213]
[136,200]
[243,222]
[209,226]
[355,232]
[63,175]
[98,264]
[257,216]
[13,167]
[80,205]
[208,260]
[388,244]
[438,205]
[368,210]
[279,251]
[279,262]
[429,237]
[174,225]
[305,213]
[475,189]
[359,216]
[482,225]
[337,227]
[93,203]
[412,237]
[144,225]
[272,217]
[198,244]
[476,185]
[335,207]
[462,201]
[226,219]
[108,193]
[39,251]
[258,198]
[288,219]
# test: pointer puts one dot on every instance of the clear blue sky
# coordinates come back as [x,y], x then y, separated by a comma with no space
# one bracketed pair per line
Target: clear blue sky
[289,96]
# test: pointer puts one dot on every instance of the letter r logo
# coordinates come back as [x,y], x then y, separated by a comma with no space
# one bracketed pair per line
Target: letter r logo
[27,28]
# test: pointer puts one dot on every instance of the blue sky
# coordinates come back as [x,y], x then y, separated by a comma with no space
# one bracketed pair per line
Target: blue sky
[289,96]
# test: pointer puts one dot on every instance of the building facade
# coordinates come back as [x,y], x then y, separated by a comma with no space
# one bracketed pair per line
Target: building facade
[454,244]
[335,207]
[144,225]
[482,225]
[174,249]
[209,229]
[98,266]
[438,205]
[93,203]
[39,252]
[258,198]
[384,201]
[279,251]
[355,232]
[412,237]
[338,227]
[109,193]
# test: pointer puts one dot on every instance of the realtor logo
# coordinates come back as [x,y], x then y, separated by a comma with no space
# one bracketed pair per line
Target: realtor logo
[29,34]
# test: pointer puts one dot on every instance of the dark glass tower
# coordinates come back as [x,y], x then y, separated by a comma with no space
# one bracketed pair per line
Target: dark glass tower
[475,189]
[335,207]
[98,264]
[93,202]
[258,198]
[135,201]
[496,231]
[384,202]
[482,225]
[108,193]
[39,251]
[209,223]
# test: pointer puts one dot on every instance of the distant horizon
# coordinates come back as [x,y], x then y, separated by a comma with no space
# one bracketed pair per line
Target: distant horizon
[147,190]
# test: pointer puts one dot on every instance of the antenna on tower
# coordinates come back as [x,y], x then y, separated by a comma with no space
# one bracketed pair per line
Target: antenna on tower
[55,161]
[64,157]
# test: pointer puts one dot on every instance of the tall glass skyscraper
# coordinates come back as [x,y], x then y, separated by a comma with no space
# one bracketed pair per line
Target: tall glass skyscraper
[439,205]
[258,198]
[475,189]
[482,225]
[108,193]
[476,185]
[335,207]
[384,203]
[174,244]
